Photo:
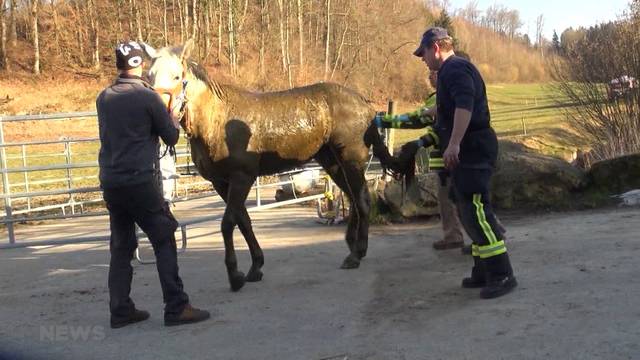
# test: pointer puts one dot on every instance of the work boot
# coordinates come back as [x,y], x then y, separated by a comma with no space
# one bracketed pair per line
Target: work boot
[189,315]
[136,316]
[478,276]
[497,288]
[500,279]
[447,244]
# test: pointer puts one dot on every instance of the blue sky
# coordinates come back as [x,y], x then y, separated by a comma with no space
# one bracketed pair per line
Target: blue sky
[558,14]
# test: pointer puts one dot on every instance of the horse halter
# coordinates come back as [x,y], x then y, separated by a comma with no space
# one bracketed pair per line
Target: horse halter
[178,95]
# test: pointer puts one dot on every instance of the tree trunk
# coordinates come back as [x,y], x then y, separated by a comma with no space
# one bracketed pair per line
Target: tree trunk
[13,27]
[327,41]
[300,36]
[4,62]
[94,33]
[339,51]
[138,20]
[56,28]
[34,29]
[182,30]
[165,31]
[283,45]
[120,5]
[186,19]
[147,21]
[219,54]
[288,52]
[263,30]
[232,41]
[132,15]
[207,31]
[173,19]
[80,56]
[194,17]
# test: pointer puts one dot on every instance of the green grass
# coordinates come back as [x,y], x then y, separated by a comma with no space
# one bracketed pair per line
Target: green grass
[514,108]
[48,155]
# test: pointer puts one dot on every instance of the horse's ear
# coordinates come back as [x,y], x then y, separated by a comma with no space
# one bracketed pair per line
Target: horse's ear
[150,51]
[186,50]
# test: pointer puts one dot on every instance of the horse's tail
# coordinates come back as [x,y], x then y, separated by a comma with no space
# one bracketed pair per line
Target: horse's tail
[372,138]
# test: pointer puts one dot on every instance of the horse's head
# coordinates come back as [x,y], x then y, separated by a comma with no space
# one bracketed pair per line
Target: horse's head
[168,77]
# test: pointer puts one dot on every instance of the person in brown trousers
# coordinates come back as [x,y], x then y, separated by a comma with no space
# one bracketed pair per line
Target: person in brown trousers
[451,228]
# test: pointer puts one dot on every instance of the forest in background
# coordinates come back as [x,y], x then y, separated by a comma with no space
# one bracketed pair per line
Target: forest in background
[267,44]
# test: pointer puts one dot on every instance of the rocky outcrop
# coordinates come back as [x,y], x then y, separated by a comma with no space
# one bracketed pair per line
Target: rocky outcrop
[525,179]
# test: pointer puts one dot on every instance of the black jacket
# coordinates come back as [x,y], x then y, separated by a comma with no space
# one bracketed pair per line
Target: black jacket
[460,85]
[131,117]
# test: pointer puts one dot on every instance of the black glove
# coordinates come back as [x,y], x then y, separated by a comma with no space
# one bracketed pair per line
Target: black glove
[410,149]
[427,140]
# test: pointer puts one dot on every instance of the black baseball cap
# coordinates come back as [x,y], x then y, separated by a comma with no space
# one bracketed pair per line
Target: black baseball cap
[129,55]
[429,37]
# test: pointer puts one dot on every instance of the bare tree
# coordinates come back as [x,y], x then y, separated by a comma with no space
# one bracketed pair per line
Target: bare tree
[263,30]
[300,36]
[471,13]
[283,45]
[603,86]
[232,41]
[165,32]
[539,35]
[56,29]
[339,51]
[36,36]
[219,54]
[327,39]
[4,62]
[194,19]
[94,33]
[13,27]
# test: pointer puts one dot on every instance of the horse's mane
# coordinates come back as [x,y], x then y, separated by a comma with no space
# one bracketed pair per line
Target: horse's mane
[200,73]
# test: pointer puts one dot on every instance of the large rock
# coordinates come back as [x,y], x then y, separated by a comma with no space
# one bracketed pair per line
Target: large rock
[525,179]
[419,199]
[616,175]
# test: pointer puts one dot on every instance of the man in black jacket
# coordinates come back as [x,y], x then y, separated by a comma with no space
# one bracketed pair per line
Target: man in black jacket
[471,150]
[131,116]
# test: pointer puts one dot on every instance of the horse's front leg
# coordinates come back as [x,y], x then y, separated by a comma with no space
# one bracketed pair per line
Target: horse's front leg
[236,278]
[239,190]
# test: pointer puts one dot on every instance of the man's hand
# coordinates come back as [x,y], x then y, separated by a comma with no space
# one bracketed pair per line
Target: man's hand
[450,156]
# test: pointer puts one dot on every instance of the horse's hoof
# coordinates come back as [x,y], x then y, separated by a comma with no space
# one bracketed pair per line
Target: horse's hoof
[236,280]
[350,262]
[362,253]
[254,276]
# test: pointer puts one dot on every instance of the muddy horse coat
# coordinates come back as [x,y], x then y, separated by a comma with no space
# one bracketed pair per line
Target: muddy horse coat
[238,135]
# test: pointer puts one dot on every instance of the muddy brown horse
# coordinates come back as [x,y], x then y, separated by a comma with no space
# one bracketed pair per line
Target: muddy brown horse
[237,135]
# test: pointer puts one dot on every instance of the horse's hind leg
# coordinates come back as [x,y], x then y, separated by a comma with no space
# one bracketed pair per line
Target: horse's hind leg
[350,178]
[360,205]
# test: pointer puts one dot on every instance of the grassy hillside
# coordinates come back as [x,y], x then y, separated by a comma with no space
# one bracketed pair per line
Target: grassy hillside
[516,108]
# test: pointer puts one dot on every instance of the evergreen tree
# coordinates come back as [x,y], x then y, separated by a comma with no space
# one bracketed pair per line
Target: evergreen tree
[555,43]
[444,21]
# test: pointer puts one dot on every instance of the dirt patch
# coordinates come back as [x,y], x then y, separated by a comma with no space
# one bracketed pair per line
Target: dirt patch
[577,296]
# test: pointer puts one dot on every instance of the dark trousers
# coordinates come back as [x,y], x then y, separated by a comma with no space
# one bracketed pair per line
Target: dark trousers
[470,191]
[143,205]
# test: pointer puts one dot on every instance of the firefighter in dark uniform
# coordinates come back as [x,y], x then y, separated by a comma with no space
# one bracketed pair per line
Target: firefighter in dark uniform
[470,153]
[131,117]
